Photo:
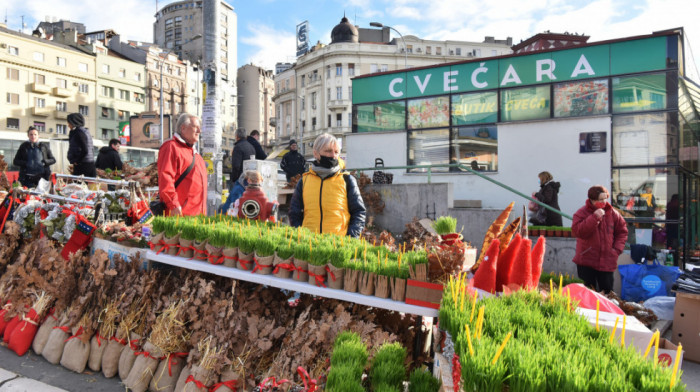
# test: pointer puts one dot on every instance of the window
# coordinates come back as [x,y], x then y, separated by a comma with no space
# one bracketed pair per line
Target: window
[83,88]
[338,69]
[338,93]
[107,113]
[328,71]
[428,50]
[581,98]
[388,116]
[13,99]
[13,50]
[313,123]
[373,68]
[107,91]
[645,193]
[169,23]
[351,69]
[105,68]
[339,120]
[636,93]
[429,148]
[40,126]
[123,114]
[84,110]
[313,100]
[38,56]
[122,73]
[329,121]
[139,97]
[61,61]
[61,83]
[39,79]
[303,80]
[124,95]
[107,133]
[428,112]
[12,123]
[476,147]
[477,52]
[12,74]
[61,129]
[527,103]
[438,50]
[61,106]
[39,102]
[328,94]
[385,67]
[303,103]
[644,139]
[458,51]
[409,48]
[137,76]
[82,67]
[474,108]
[350,93]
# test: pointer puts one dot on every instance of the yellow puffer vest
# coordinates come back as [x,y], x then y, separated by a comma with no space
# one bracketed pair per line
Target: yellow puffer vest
[325,203]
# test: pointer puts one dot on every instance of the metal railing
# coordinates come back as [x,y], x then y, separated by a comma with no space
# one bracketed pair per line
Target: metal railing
[468,169]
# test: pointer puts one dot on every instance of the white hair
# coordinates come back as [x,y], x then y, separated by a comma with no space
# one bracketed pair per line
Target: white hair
[324,140]
[182,120]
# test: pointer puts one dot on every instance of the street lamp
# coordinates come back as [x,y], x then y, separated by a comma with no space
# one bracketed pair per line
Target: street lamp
[162,131]
[405,48]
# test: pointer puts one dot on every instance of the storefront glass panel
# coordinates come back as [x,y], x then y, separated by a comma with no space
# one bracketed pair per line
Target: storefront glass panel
[528,103]
[638,93]
[587,98]
[429,112]
[644,139]
[477,108]
[380,117]
[475,147]
[429,148]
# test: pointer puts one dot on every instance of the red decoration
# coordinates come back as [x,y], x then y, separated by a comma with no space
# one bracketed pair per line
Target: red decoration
[24,333]
[10,328]
[505,262]
[485,276]
[521,273]
[537,259]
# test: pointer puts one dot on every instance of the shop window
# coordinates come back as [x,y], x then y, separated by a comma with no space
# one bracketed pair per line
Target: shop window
[475,108]
[429,112]
[644,139]
[429,148]
[527,103]
[589,98]
[381,117]
[475,147]
[637,93]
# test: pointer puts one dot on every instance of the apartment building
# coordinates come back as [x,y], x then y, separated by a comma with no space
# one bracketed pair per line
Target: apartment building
[256,88]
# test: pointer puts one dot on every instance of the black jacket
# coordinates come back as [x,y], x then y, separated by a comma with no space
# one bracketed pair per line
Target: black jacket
[40,163]
[108,158]
[293,163]
[80,148]
[259,152]
[549,195]
[242,151]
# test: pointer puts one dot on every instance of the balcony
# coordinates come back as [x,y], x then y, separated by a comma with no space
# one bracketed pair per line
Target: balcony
[60,115]
[40,88]
[61,92]
[339,104]
[313,82]
[44,112]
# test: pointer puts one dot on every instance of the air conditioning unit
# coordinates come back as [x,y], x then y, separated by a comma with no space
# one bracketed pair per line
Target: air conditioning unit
[75,84]
[3,45]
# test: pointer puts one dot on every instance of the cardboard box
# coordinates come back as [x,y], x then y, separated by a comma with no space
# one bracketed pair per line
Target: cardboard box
[125,252]
[686,324]
[442,370]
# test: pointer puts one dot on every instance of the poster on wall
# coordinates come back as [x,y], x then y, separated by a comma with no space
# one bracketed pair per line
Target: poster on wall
[381,117]
[592,142]
[581,98]
[145,130]
[429,112]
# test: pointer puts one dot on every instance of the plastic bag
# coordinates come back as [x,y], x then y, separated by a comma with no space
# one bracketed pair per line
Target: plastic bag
[661,306]
[643,281]
[587,298]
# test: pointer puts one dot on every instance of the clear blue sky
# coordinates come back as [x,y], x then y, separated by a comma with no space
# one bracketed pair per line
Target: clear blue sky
[266,28]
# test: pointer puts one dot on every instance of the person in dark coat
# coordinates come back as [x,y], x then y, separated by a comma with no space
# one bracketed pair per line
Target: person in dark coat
[108,157]
[242,151]
[601,234]
[80,151]
[293,162]
[549,195]
[34,160]
[254,140]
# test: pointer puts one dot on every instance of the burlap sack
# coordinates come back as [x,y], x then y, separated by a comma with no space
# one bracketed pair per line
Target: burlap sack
[144,368]
[381,287]
[230,257]
[200,250]
[155,244]
[245,261]
[398,289]
[76,352]
[98,345]
[42,334]
[110,358]
[317,275]
[186,250]
[301,272]
[184,374]
[351,280]
[214,255]
[335,277]
[228,379]
[166,376]
[366,282]
[53,349]
[128,356]
[205,377]
[262,264]
[171,244]
[282,268]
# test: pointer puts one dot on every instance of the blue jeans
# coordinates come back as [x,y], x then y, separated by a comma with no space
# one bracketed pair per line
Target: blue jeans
[234,193]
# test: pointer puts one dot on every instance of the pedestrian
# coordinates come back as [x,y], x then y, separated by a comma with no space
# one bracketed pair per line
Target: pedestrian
[182,173]
[80,151]
[254,140]
[327,200]
[293,163]
[242,151]
[549,195]
[108,157]
[600,233]
[34,160]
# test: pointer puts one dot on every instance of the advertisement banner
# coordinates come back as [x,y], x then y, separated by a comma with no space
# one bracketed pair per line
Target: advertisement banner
[302,38]
[145,130]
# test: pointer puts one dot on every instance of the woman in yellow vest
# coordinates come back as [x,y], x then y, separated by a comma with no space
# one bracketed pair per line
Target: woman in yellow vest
[326,200]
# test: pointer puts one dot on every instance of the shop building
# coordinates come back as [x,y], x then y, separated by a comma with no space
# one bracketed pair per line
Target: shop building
[621,113]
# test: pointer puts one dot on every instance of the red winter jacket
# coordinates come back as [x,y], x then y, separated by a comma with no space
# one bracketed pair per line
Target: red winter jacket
[174,158]
[598,242]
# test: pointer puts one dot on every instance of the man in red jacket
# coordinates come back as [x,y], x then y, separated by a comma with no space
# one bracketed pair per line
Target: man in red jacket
[601,233]
[174,159]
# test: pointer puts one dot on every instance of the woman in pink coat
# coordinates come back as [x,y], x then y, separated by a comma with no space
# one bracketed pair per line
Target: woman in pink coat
[601,233]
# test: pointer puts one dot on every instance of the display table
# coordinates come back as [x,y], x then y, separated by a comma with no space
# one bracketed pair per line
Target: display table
[289,284]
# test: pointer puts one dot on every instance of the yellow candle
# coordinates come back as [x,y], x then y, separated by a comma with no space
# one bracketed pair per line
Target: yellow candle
[597,314]
[500,349]
[612,335]
[679,351]
[561,280]
[656,351]
[624,326]
[354,257]
[469,340]
[651,343]
[480,321]
[471,316]
[551,290]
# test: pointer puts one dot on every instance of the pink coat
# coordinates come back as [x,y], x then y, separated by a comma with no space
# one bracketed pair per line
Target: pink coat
[598,242]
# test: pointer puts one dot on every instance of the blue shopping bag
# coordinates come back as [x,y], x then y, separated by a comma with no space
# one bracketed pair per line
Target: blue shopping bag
[643,281]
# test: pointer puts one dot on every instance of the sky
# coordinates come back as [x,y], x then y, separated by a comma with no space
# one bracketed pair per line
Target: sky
[266,28]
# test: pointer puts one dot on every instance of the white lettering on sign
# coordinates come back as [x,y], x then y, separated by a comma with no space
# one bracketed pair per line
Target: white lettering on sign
[583,67]
[422,86]
[511,76]
[449,81]
[549,71]
[394,93]
[476,73]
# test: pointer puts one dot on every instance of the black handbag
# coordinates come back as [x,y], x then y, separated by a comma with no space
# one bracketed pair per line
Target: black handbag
[379,176]
[158,206]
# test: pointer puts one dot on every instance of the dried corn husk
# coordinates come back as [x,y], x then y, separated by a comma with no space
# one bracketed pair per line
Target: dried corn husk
[507,234]
[492,233]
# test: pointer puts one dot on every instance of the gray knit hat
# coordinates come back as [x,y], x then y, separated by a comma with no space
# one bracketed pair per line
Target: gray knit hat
[76,120]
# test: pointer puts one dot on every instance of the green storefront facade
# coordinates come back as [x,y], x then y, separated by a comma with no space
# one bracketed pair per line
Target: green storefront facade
[640,83]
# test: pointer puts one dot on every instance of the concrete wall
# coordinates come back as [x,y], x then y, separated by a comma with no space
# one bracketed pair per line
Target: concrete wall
[403,202]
